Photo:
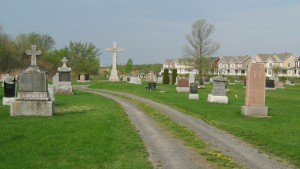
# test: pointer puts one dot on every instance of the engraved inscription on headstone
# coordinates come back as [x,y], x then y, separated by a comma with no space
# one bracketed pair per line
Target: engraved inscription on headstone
[64,76]
[33,82]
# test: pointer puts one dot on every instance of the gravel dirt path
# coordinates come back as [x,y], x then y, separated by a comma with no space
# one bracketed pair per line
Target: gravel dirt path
[219,140]
[164,151]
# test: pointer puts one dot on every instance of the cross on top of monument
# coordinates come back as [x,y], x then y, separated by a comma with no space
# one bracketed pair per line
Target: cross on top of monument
[114,48]
[33,53]
[64,61]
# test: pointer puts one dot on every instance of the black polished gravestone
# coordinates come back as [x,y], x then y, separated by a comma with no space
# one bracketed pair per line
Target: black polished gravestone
[270,84]
[151,86]
[87,77]
[10,87]
[201,83]
[193,88]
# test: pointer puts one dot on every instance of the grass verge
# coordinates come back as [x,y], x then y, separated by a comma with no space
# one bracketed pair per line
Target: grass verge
[87,131]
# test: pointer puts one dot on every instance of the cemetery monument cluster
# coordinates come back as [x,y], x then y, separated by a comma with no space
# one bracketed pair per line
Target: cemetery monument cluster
[33,97]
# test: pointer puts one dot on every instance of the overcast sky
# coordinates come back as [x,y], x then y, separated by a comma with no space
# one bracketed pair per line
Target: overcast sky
[151,31]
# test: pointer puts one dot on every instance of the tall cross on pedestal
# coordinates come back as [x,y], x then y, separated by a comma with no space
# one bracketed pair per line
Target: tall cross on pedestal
[33,53]
[114,50]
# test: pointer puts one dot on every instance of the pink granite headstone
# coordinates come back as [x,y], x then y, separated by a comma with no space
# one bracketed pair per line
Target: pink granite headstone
[255,91]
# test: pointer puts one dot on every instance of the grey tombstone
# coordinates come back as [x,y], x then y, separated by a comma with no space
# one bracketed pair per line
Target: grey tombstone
[135,80]
[9,90]
[160,80]
[55,80]
[218,94]
[33,97]
[193,91]
[63,85]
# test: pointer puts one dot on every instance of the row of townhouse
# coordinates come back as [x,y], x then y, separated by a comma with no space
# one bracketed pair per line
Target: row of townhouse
[238,65]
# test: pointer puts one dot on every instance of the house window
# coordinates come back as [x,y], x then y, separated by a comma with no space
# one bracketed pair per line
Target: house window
[284,72]
[289,64]
[242,71]
[269,72]
[270,64]
[232,65]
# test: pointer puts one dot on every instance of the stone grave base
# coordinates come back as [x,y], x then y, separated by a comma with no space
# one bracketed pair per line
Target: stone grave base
[32,108]
[194,96]
[270,88]
[259,111]
[217,99]
[201,87]
[183,89]
[63,89]
[113,76]
[8,100]
[83,81]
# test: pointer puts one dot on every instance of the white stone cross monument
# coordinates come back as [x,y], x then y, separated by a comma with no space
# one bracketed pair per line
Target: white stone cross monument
[114,72]
[33,53]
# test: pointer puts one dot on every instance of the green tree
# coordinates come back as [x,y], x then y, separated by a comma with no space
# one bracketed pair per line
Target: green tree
[51,60]
[8,56]
[128,66]
[83,57]
[174,75]
[166,79]
[23,42]
[201,47]
[276,69]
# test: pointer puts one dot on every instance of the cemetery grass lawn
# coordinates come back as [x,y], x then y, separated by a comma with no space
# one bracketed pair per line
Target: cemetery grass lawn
[278,134]
[87,131]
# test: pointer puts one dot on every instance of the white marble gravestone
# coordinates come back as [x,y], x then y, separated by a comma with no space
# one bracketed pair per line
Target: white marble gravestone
[33,97]
[114,73]
[63,85]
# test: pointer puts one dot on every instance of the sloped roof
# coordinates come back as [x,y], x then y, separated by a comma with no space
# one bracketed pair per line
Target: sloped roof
[169,61]
[283,56]
[241,59]
[265,57]
[225,59]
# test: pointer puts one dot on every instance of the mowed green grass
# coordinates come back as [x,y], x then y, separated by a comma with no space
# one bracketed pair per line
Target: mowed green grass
[87,131]
[278,134]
